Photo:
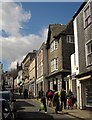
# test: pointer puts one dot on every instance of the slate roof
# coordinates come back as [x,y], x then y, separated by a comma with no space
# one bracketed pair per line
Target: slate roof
[80,8]
[68,30]
[55,29]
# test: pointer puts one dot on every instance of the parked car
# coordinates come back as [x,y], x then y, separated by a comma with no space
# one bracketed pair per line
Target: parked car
[5,111]
[6,95]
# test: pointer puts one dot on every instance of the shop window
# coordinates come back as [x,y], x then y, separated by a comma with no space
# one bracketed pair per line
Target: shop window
[89,94]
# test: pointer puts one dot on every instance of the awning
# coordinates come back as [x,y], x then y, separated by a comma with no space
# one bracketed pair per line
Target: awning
[85,78]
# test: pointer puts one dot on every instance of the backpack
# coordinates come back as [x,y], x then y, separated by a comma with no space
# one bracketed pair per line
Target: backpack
[49,94]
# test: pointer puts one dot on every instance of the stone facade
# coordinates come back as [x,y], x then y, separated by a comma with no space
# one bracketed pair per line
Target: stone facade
[59,48]
[41,82]
[25,64]
[32,75]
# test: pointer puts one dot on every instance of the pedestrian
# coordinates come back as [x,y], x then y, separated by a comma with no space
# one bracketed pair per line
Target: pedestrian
[56,101]
[40,93]
[70,103]
[74,102]
[63,99]
[20,90]
[43,101]
[50,96]
[25,93]
[47,97]
[70,99]
[31,94]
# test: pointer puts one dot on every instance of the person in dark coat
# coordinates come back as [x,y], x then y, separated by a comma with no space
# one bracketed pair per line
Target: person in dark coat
[63,99]
[25,93]
[56,101]
[43,100]
[47,97]
[20,90]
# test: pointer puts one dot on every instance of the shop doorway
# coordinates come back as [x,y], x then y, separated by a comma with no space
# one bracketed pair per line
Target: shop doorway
[55,85]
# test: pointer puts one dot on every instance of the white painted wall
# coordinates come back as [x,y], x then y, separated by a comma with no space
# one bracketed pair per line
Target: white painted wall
[79,102]
[76,45]
[73,64]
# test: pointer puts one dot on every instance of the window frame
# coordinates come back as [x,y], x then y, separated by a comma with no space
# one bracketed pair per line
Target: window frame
[54,45]
[89,53]
[69,39]
[54,64]
[87,18]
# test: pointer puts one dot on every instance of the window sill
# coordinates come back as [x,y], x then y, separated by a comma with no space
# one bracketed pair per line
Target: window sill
[87,26]
[89,66]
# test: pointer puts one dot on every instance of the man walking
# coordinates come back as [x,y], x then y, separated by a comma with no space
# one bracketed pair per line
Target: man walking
[63,98]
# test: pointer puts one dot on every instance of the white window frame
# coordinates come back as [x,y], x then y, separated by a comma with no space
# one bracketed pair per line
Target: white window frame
[51,46]
[69,38]
[89,53]
[54,46]
[87,18]
[54,64]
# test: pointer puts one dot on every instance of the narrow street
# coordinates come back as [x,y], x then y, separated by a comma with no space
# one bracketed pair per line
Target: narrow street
[27,109]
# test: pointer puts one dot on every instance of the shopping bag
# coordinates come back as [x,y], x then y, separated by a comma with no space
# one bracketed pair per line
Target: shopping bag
[59,93]
[41,106]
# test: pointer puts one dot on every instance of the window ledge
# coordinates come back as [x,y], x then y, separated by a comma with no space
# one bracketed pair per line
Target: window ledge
[87,25]
[89,66]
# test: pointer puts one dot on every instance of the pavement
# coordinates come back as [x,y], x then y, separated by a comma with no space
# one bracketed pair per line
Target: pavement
[77,113]
[81,114]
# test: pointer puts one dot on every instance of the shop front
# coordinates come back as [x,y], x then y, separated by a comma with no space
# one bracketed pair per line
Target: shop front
[85,88]
[55,83]
[88,93]
[32,87]
[39,85]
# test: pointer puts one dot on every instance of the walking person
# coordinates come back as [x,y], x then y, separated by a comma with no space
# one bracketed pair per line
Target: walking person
[70,104]
[20,91]
[63,99]
[50,96]
[56,101]
[47,97]
[25,93]
[70,99]
[43,101]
